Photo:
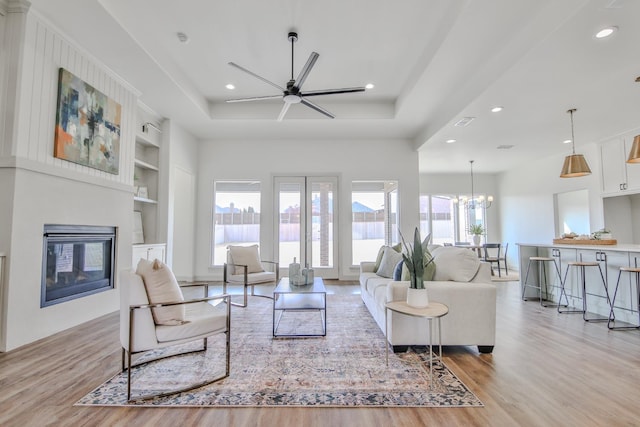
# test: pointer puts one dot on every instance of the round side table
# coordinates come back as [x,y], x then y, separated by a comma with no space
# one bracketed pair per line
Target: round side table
[434,310]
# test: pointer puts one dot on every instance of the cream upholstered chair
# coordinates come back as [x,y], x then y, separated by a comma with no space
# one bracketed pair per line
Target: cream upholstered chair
[144,327]
[244,267]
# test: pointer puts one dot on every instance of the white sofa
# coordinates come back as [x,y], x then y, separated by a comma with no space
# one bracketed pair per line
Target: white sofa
[471,319]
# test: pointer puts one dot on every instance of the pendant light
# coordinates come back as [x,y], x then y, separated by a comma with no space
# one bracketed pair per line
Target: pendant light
[575,165]
[634,154]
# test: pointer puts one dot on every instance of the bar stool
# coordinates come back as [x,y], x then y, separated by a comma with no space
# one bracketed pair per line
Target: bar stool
[542,272]
[581,266]
[636,272]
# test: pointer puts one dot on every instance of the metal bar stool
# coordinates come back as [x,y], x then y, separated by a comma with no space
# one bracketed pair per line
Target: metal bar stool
[542,272]
[582,265]
[636,272]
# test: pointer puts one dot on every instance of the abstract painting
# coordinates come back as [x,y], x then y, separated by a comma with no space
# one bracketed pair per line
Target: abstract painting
[87,125]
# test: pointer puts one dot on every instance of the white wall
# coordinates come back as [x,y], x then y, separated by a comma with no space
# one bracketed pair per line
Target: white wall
[260,160]
[526,195]
[47,190]
[180,158]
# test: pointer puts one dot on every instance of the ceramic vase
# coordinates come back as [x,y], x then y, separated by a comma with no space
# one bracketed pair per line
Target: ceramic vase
[476,239]
[417,298]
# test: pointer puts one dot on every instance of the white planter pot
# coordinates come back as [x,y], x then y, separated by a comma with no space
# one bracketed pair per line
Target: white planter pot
[476,239]
[417,298]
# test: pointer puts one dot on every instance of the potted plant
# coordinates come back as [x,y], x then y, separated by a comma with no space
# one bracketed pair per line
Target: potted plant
[476,230]
[414,260]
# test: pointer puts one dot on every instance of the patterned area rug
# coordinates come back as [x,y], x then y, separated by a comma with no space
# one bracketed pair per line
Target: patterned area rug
[346,368]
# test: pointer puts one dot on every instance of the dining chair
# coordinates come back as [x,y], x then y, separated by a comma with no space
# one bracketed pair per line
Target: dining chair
[492,255]
[504,258]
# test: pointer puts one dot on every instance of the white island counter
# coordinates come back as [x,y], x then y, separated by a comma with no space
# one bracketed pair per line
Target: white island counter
[610,258]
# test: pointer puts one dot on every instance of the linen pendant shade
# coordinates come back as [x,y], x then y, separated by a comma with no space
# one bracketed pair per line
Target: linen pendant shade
[634,154]
[575,165]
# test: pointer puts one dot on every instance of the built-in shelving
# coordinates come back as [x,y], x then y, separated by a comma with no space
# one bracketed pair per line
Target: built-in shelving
[147,173]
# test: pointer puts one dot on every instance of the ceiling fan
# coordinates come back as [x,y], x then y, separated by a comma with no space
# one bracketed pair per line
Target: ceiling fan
[293,93]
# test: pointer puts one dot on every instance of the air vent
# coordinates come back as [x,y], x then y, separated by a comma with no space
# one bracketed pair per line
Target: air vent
[464,122]
[504,147]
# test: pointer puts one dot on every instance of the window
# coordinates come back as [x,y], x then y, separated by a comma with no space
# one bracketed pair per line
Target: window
[236,216]
[374,218]
[448,218]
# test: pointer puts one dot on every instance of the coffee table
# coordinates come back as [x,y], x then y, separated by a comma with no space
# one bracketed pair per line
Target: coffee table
[434,310]
[288,297]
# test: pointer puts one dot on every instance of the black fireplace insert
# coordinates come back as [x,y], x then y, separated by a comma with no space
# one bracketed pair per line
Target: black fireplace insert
[78,260]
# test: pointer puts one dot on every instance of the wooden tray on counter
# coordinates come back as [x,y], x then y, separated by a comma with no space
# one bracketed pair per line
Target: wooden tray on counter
[585,242]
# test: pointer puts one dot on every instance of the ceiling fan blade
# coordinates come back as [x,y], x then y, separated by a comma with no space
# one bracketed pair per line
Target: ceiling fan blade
[306,69]
[284,110]
[255,98]
[256,76]
[317,108]
[333,91]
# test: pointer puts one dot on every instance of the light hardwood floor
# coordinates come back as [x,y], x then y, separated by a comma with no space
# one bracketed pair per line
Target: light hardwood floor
[548,369]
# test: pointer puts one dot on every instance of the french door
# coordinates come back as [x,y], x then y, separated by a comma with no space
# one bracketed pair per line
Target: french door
[307,223]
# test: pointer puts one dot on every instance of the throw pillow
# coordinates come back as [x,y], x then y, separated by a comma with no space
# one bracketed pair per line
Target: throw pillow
[457,264]
[397,248]
[161,286]
[246,255]
[390,258]
[378,259]
[397,272]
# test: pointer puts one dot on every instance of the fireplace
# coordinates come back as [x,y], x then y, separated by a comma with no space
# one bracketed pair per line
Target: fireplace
[78,260]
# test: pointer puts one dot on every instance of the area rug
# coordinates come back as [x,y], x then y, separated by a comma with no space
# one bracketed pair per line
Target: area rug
[346,368]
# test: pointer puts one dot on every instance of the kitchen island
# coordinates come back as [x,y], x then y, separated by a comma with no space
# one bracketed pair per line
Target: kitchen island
[610,258]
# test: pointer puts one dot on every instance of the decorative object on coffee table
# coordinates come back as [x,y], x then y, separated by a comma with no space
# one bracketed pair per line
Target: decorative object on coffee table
[415,262]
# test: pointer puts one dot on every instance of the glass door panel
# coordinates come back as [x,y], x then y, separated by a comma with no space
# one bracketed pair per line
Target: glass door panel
[306,223]
[290,211]
[321,239]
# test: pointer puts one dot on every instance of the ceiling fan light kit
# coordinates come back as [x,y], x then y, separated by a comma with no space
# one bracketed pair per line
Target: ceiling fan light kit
[293,93]
[575,165]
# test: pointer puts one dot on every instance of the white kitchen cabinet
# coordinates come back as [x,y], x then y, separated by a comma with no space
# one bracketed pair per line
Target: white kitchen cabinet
[618,177]
[148,252]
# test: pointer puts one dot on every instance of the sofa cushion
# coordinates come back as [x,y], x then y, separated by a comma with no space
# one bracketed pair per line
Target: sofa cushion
[390,259]
[455,264]
[376,282]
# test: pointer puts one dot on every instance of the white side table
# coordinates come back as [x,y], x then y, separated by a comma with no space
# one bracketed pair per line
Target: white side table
[434,310]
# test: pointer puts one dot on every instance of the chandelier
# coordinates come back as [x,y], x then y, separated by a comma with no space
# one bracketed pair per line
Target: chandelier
[474,202]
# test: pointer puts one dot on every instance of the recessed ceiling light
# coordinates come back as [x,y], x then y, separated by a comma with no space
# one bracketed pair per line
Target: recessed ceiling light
[566,141]
[369,86]
[230,86]
[182,37]
[496,109]
[505,147]
[450,141]
[605,32]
